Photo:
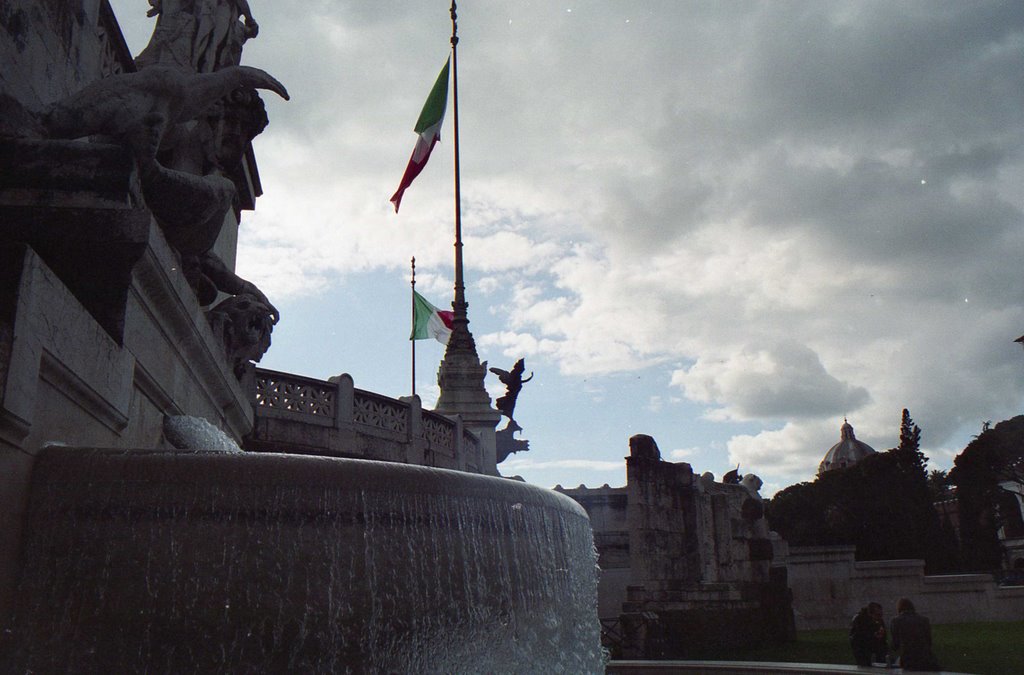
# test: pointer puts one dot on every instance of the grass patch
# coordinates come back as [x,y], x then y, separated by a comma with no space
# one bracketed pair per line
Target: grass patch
[989,648]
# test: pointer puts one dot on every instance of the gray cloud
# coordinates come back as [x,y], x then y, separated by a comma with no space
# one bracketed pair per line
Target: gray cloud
[782,381]
[817,206]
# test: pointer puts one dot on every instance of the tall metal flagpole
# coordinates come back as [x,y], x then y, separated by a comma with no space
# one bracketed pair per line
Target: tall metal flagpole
[460,290]
[412,297]
[461,375]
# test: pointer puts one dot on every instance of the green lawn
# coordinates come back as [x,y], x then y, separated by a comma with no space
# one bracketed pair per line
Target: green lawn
[982,648]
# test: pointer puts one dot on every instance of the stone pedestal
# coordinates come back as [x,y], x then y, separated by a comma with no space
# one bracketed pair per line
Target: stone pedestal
[461,378]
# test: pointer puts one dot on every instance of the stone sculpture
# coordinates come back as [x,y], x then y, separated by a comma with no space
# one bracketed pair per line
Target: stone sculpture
[198,35]
[243,323]
[643,446]
[506,443]
[208,275]
[513,382]
[138,108]
[753,484]
[505,440]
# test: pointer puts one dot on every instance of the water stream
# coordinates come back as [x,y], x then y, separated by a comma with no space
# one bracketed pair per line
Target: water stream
[186,562]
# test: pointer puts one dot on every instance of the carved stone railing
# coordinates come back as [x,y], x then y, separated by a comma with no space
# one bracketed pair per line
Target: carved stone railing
[304,397]
[381,412]
[297,414]
[438,430]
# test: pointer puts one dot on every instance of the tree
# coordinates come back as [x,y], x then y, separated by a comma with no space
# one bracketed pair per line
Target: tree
[882,505]
[910,434]
[992,459]
[938,485]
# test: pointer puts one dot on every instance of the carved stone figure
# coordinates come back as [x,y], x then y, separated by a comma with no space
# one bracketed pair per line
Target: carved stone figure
[513,382]
[137,110]
[732,477]
[753,506]
[506,444]
[129,107]
[753,484]
[243,323]
[644,447]
[209,276]
[198,35]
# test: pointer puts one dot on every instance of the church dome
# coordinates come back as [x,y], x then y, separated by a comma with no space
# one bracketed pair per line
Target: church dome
[847,452]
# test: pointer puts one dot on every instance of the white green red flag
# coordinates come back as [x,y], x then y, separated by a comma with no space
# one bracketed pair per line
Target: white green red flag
[428,126]
[429,321]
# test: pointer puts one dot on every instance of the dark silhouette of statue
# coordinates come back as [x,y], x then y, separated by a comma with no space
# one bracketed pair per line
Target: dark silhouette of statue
[513,382]
[505,438]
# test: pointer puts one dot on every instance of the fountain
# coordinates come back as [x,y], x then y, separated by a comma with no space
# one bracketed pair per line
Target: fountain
[203,561]
[120,193]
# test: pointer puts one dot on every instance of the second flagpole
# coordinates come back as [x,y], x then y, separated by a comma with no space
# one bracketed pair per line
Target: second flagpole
[412,298]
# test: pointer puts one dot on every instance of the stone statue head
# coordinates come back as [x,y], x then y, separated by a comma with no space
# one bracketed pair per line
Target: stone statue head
[644,446]
[243,323]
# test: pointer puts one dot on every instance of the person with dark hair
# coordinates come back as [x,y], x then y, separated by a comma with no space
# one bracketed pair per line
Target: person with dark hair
[867,636]
[912,638]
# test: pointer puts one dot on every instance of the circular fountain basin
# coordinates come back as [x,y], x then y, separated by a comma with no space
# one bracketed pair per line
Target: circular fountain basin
[193,562]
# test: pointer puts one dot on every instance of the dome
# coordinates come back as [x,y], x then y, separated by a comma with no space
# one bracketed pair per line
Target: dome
[847,452]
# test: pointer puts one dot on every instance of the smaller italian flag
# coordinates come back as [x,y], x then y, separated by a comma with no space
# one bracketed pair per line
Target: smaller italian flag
[428,126]
[429,321]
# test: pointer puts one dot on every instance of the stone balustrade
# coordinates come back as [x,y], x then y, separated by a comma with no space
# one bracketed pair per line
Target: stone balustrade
[297,414]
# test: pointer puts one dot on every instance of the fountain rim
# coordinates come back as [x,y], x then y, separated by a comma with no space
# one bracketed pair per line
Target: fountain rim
[56,465]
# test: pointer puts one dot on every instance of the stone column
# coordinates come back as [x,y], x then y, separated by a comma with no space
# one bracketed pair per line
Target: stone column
[415,444]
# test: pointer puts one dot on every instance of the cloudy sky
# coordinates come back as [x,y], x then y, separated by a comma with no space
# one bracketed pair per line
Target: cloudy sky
[725,224]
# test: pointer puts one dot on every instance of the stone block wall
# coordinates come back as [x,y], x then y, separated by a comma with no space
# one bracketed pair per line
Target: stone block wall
[606,507]
[685,561]
[829,586]
[662,520]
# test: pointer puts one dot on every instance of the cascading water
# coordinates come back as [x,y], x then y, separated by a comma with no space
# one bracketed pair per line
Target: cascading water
[184,562]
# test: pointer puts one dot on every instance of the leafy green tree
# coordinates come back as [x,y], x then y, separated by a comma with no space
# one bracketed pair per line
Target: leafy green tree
[991,459]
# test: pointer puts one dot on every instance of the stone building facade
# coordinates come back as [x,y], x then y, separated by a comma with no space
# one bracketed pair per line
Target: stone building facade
[686,562]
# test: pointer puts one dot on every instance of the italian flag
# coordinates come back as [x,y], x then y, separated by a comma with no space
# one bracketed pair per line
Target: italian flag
[429,321]
[428,126]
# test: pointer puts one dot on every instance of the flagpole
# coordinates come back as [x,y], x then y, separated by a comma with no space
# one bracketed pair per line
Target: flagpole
[412,297]
[460,290]
[461,375]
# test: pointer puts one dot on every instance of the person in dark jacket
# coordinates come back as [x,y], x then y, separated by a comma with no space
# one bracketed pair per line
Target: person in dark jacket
[867,636]
[912,638]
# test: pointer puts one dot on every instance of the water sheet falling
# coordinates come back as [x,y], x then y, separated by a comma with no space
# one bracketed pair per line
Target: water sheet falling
[186,562]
